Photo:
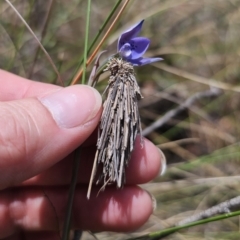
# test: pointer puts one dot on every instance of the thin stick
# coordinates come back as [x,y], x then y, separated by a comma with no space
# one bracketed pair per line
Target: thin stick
[78,75]
[169,115]
[223,207]
[41,46]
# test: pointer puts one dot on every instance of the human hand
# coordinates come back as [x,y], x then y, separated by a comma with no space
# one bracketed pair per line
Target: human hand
[41,125]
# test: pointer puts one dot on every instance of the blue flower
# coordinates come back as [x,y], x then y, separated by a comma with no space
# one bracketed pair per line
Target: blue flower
[131,48]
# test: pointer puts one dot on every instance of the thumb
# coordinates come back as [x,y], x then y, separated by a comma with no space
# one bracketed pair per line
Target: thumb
[37,133]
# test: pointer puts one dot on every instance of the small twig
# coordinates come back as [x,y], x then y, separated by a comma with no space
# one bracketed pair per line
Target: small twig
[213,92]
[221,208]
[93,78]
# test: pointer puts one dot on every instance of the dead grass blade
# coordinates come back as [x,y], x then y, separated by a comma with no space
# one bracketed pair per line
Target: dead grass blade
[41,46]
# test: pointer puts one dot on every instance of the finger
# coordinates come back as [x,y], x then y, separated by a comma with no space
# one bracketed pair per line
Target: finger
[145,164]
[28,88]
[148,162]
[14,87]
[44,209]
[36,235]
[37,133]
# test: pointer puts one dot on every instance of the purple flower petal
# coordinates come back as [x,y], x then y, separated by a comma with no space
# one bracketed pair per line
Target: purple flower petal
[139,45]
[126,51]
[131,48]
[144,61]
[129,34]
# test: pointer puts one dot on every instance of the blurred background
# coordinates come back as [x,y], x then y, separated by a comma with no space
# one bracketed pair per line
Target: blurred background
[198,81]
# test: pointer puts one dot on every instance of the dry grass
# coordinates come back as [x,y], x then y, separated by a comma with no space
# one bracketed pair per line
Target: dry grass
[199,40]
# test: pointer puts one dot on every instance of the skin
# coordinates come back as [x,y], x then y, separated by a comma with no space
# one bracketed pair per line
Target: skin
[36,154]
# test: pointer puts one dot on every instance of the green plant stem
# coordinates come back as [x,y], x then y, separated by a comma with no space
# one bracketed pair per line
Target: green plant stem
[104,25]
[166,232]
[67,220]
[86,42]
[67,223]
[99,33]
[79,73]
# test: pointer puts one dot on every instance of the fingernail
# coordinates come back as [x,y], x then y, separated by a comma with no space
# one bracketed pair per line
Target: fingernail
[164,163]
[154,201]
[73,106]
